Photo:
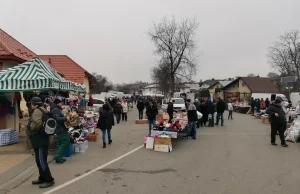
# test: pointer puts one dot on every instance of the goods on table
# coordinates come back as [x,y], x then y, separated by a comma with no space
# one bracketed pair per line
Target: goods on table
[8,136]
[292,133]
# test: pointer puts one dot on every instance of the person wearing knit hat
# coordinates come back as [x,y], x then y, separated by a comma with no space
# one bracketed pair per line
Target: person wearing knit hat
[63,139]
[40,143]
[277,118]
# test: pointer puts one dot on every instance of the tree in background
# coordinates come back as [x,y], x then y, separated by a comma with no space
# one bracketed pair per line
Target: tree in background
[175,44]
[284,55]
[100,84]
[159,76]
[130,88]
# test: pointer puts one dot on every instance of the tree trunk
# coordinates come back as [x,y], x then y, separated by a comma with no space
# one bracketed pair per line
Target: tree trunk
[172,83]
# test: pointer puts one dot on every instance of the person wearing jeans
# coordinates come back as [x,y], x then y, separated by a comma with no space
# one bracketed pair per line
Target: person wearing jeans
[141,106]
[118,111]
[151,113]
[192,119]
[125,110]
[220,111]
[105,123]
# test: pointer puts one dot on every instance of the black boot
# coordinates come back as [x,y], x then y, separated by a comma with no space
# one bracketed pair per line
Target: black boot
[104,145]
[110,141]
[46,185]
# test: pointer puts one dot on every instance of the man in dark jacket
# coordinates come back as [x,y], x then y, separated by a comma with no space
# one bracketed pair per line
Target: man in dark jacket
[220,111]
[267,103]
[170,110]
[203,111]
[40,143]
[141,106]
[192,119]
[62,138]
[253,105]
[105,123]
[151,113]
[118,109]
[210,111]
[278,120]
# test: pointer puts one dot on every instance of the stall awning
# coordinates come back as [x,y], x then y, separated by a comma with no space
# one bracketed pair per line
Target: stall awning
[35,74]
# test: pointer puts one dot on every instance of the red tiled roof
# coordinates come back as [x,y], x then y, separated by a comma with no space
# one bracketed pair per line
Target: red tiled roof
[11,47]
[65,65]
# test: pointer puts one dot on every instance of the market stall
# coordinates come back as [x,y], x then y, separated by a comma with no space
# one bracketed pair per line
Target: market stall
[35,76]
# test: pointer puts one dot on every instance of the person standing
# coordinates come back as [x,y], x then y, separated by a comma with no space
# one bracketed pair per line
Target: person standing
[170,110]
[278,120]
[262,104]
[118,111]
[267,103]
[125,110]
[203,111]
[40,143]
[62,138]
[252,104]
[257,105]
[141,106]
[105,123]
[151,113]
[192,119]
[230,109]
[221,106]
[210,111]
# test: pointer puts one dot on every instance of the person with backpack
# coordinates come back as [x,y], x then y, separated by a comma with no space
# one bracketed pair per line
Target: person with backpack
[40,143]
[62,138]
[105,123]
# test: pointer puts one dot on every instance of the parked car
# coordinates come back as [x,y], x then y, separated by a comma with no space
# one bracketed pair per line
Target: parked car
[98,103]
[179,104]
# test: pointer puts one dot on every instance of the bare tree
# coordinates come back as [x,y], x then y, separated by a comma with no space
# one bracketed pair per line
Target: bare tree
[272,75]
[284,56]
[161,76]
[100,84]
[251,75]
[175,44]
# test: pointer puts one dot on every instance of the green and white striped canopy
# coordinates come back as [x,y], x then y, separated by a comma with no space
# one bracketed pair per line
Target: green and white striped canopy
[35,74]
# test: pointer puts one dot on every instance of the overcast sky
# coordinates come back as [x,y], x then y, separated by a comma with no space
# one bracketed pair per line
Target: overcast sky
[109,37]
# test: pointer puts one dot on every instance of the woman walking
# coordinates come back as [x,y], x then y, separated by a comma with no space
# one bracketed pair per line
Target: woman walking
[125,110]
[105,123]
[230,109]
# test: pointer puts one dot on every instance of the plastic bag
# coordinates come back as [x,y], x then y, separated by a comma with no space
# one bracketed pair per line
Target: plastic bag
[199,115]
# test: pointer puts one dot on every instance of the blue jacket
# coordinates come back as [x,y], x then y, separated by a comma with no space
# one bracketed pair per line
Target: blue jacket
[60,118]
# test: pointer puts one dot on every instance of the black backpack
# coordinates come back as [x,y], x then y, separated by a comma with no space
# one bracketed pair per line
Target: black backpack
[49,122]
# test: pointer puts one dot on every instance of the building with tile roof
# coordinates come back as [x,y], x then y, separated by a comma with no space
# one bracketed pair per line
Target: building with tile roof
[69,68]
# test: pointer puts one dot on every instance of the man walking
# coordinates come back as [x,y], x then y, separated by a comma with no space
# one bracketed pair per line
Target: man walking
[118,111]
[40,143]
[192,119]
[220,111]
[170,110]
[62,139]
[141,106]
[277,118]
[151,113]
[230,109]
[211,112]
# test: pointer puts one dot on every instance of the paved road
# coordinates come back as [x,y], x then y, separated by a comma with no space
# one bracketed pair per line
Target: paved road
[234,159]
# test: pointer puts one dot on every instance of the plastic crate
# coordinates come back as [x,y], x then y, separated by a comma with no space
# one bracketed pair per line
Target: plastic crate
[69,151]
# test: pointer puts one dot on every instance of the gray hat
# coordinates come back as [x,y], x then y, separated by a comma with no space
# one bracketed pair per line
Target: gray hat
[36,101]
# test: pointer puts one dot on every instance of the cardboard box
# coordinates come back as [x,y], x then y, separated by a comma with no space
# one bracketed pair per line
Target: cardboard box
[166,116]
[162,148]
[93,137]
[143,121]
[162,141]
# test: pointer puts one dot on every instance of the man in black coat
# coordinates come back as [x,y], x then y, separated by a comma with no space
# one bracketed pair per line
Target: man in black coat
[141,106]
[210,111]
[220,111]
[203,111]
[277,118]
[170,110]
[192,119]
[151,113]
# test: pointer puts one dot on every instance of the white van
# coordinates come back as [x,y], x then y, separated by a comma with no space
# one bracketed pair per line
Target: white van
[179,104]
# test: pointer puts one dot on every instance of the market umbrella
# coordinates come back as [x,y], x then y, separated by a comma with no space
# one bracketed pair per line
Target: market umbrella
[34,74]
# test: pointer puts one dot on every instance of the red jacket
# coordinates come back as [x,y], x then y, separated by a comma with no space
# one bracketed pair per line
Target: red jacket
[262,105]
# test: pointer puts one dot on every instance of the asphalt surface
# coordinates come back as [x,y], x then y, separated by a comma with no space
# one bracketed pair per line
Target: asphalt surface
[235,159]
